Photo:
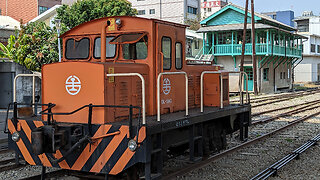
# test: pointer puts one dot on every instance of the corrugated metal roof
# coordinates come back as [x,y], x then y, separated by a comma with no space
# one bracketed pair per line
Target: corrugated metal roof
[235,27]
[192,33]
[9,23]
[232,27]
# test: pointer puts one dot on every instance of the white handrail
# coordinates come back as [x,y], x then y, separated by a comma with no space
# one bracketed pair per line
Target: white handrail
[33,85]
[221,86]
[240,85]
[201,87]
[158,91]
[143,91]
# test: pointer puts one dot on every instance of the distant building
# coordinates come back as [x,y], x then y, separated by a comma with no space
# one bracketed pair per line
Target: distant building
[285,17]
[194,43]
[47,17]
[169,10]
[208,7]
[308,70]
[277,47]
[7,28]
[25,10]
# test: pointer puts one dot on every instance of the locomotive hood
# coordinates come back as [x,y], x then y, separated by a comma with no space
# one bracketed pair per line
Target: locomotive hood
[71,85]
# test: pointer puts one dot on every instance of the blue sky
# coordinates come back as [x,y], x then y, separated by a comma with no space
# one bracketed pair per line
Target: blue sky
[298,6]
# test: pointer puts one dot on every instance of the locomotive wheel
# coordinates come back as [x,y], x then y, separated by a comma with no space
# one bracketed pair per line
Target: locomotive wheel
[219,137]
[133,173]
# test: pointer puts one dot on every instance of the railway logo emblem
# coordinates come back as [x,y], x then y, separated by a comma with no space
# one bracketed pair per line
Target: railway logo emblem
[73,85]
[166,87]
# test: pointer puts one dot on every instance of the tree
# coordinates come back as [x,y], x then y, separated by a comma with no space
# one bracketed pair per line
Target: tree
[193,23]
[87,10]
[36,45]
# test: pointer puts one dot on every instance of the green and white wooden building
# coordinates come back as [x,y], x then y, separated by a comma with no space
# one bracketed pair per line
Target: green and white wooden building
[278,47]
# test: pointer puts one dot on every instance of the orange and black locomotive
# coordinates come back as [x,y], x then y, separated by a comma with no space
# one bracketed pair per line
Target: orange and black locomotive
[122,97]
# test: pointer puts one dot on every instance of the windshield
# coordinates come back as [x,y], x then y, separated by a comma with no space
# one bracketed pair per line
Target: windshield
[77,49]
[137,50]
[110,48]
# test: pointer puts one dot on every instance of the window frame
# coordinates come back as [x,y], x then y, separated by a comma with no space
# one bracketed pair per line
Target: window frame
[265,75]
[65,54]
[313,47]
[94,47]
[181,55]
[163,53]
[153,10]
[135,42]
[143,10]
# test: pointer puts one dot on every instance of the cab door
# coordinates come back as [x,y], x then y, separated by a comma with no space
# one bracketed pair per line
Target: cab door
[172,87]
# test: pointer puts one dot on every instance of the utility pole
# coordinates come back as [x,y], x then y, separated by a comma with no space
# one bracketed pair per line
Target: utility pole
[253,38]
[244,36]
[243,49]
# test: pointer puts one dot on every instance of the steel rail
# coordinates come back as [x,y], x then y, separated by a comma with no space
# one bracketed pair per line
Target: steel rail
[209,160]
[281,99]
[282,108]
[261,99]
[9,164]
[273,169]
[289,113]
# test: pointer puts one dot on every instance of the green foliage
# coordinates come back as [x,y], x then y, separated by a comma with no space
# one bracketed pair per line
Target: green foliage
[9,50]
[193,23]
[36,45]
[87,10]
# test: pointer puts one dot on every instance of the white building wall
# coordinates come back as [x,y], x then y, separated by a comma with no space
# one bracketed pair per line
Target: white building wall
[302,73]
[281,82]
[307,70]
[314,25]
[168,10]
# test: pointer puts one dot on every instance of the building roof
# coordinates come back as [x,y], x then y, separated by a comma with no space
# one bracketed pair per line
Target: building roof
[193,34]
[235,27]
[259,17]
[9,23]
[47,14]
[232,27]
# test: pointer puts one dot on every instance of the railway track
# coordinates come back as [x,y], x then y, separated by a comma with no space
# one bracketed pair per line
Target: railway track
[277,96]
[284,98]
[212,158]
[273,169]
[305,107]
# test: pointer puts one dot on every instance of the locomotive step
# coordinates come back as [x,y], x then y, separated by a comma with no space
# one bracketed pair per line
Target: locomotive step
[158,150]
[153,176]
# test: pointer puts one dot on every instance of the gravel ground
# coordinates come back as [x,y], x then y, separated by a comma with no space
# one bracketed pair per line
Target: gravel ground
[249,161]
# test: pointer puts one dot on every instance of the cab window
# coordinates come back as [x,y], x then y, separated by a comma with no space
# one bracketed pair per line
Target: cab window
[110,48]
[136,50]
[77,49]
[178,56]
[166,50]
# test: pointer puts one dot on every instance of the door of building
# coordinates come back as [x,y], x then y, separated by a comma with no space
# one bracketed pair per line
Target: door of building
[6,88]
[249,72]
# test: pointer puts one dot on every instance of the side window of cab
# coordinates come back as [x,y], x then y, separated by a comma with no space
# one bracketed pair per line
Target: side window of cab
[167,52]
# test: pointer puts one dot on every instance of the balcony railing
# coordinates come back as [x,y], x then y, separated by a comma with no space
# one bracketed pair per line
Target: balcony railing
[261,49]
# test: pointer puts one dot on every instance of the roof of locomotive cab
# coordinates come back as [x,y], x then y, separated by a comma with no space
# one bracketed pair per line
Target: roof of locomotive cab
[82,27]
